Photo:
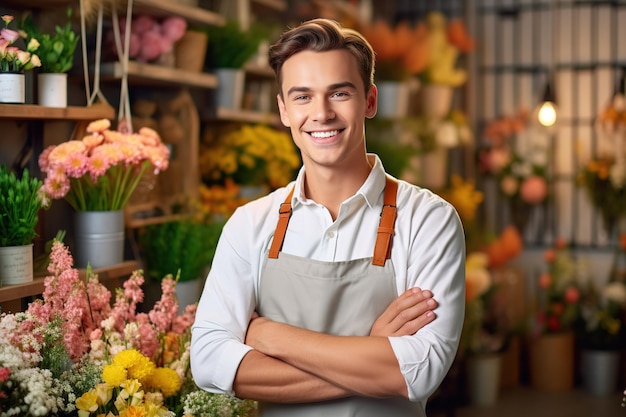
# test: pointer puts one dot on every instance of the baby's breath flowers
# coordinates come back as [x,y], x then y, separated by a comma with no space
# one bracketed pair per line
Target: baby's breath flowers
[205,404]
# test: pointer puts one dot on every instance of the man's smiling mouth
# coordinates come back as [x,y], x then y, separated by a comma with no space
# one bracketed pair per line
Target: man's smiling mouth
[325,134]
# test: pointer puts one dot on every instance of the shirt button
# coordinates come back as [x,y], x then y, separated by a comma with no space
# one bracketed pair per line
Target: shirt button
[330,234]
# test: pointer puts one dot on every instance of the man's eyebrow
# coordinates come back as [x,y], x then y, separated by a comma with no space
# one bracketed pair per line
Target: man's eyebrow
[336,86]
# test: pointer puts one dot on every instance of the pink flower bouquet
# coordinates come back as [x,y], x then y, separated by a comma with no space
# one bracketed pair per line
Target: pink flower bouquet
[101,171]
[12,58]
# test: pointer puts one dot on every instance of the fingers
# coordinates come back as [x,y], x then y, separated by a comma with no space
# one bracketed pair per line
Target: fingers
[406,314]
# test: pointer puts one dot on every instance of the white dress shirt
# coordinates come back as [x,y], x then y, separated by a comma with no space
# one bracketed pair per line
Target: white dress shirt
[428,251]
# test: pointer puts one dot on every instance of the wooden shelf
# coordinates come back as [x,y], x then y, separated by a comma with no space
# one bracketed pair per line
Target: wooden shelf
[36,112]
[139,73]
[259,70]
[36,287]
[247,116]
[280,5]
[168,8]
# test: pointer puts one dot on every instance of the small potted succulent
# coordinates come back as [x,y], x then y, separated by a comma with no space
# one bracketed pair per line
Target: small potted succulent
[20,202]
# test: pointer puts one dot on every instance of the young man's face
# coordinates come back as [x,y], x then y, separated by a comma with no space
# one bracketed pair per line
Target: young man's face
[325,105]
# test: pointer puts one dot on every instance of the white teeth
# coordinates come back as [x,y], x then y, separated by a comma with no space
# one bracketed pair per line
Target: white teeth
[324,134]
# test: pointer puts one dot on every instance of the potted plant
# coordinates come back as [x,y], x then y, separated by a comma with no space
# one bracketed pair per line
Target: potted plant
[97,175]
[185,246]
[13,62]
[20,202]
[56,52]
[229,48]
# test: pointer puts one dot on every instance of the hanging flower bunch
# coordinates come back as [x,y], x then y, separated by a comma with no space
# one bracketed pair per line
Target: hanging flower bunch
[558,300]
[604,180]
[12,58]
[250,155]
[101,171]
[150,38]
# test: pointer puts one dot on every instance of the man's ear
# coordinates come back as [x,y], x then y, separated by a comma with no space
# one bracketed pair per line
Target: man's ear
[284,117]
[372,102]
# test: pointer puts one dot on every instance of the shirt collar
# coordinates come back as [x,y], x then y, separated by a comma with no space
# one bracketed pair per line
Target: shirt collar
[371,189]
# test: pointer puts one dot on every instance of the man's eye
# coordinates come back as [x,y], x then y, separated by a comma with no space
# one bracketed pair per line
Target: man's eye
[300,97]
[340,94]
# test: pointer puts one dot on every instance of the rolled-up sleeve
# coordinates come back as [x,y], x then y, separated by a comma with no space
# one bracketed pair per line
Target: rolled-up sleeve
[435,261]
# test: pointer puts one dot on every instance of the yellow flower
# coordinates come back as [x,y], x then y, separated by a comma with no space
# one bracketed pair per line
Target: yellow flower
[114,374]
[137,365]
[87,403]
[165,380]
[134,411]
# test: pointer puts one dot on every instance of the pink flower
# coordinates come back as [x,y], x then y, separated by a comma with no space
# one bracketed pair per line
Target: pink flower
[572,295]
[4,374]
[534,189]
[10,35]
[173,28]
[151,46]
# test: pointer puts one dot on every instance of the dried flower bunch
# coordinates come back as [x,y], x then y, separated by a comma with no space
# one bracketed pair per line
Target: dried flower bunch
[12,58]
[101,171]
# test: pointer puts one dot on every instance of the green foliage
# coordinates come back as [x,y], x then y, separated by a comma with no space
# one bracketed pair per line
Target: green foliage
[231,47]
[55,51]
[179,245]
[19,206]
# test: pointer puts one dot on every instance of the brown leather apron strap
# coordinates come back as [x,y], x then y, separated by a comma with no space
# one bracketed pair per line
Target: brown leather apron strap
[382,250]
[284,213]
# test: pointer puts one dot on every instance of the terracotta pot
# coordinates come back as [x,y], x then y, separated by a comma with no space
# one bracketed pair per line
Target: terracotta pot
[552,362]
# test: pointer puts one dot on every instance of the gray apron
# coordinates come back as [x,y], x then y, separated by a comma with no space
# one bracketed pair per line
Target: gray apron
[340,298]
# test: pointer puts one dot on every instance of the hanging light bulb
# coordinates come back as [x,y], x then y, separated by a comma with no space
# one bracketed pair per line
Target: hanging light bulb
[546,113]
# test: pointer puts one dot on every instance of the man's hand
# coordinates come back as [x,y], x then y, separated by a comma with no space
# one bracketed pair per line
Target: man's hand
[406,314]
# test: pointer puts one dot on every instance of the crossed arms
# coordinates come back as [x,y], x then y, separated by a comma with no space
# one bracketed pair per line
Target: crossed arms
[291,364]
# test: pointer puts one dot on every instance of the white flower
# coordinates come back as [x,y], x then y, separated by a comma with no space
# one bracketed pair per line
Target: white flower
[615,292]
[617,175]
[446,135]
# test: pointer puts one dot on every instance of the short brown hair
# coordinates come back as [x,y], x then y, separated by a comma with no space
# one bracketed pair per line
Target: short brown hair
[321,35]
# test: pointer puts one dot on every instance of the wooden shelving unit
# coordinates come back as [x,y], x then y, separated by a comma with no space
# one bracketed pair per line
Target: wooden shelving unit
[11,296]
[140,73]
[249,116]
[74,113]
[171,8]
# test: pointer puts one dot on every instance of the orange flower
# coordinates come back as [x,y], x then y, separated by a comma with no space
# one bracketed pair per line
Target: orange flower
[545,280]
[549,255]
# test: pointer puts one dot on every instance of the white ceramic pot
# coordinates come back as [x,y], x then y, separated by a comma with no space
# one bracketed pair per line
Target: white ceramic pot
[229,92]
[12,88]
[16,264]
[52,89]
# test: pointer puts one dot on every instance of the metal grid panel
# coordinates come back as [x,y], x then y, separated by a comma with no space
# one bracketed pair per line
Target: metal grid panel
[523,42]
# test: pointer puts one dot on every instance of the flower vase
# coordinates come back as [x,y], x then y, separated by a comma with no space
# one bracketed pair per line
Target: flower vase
[600,371]
[436,100]
[190,51]
[16,264]
[434,169]
[188,292]
[393,99]
[99,238]
[12,88]
[230,87]
[52,89]
[483,378]
[552,361]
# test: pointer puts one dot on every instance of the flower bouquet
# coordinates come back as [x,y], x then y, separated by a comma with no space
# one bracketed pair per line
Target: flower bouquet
[558,303]
[101,171]
[250,155]
[73,352]
[604,180]
[12,58]
[520,170]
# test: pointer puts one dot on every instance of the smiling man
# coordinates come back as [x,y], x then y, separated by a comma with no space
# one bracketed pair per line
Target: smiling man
[321,297]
